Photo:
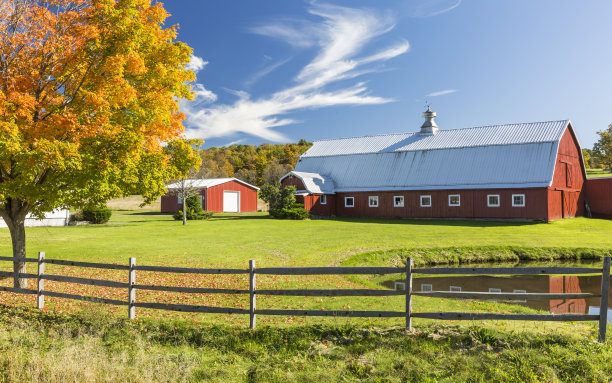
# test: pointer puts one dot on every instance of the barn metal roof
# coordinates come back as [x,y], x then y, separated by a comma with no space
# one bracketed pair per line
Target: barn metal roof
[313,182]
[500,156]
[207,183]
[528,133]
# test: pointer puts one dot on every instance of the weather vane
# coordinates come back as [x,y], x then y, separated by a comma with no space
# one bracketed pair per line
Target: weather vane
[427,105]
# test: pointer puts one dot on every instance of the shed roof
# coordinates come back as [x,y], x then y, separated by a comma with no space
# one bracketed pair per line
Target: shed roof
[500,156]
[207,183]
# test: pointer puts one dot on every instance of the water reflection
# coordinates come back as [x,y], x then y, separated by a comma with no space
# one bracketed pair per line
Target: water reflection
[519,284]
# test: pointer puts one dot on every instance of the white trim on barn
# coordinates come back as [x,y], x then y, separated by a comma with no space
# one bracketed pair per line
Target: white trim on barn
[207,183]
[231,201]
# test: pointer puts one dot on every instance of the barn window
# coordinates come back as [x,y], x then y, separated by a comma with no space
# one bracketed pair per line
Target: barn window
[426,287]
[398,201]
[518,200]
[493,200]
[373,201]
[349,201]
[454,200]
[425,201]
[400,285]
[455,288]
[519,292]
[494,290]
[179,198]
[323,200]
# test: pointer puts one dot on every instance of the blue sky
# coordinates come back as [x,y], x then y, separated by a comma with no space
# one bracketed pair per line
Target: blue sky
[280,70]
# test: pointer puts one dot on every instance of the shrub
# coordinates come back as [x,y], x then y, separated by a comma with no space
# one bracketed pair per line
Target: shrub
[96,214]
[282,202]
[194,210]
[295,212]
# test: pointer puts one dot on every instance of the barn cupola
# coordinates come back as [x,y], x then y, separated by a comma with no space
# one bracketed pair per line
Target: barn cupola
[429,127]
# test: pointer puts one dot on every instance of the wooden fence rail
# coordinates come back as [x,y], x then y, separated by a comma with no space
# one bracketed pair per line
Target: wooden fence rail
[253,311]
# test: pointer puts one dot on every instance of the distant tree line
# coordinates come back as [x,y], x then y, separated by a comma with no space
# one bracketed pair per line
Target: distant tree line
[257,165]
[601,154]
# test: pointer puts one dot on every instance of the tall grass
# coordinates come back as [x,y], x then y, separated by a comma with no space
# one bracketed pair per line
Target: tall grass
[91,347]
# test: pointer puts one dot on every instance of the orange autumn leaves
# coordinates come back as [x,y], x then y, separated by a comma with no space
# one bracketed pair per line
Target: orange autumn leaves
[89,92]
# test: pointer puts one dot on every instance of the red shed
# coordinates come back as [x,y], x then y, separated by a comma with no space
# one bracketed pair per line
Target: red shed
[221,195]
[527,171]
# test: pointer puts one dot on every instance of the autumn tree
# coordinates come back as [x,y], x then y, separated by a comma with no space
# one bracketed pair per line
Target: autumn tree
[89,92]
[603,148]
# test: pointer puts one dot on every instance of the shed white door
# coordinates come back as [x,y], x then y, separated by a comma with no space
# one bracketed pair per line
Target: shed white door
[231,201]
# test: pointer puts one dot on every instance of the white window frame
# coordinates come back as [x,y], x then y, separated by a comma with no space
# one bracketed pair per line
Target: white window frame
[397,285]
[519,292]
[494,290]
[398,204]
[455,288]
[489,204]
[518,205]
[426,287]
[421,200]
[346,199]
[179,197]
[451,196]
[323,199]
[370,200]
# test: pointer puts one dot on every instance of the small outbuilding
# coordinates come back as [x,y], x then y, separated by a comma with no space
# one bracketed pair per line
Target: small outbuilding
[219,195]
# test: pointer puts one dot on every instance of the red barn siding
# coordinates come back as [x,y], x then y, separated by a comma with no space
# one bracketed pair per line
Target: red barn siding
[566,196]
[294,181]
[473,204]
[599,196]
[214,197]
[169,203]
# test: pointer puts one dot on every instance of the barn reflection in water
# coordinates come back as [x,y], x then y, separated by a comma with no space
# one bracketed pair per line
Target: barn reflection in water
[518,284]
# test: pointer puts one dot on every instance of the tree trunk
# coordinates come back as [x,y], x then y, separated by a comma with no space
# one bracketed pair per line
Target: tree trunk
[184,211]
[18,237]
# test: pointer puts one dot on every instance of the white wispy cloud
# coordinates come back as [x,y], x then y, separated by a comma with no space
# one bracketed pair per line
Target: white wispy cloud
[340,37]
[265,71]
[430,8]
[196,64]
[441,93]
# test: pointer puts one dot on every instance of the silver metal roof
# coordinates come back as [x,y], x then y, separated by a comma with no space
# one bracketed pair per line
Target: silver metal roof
[535,132]
[501,156]
[313,182]
[207,183]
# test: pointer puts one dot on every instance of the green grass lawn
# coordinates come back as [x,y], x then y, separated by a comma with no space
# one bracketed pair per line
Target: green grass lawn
[231,240]
[527,351]
[594,173]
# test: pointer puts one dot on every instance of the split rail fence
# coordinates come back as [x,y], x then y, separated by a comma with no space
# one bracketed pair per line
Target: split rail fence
[253,292]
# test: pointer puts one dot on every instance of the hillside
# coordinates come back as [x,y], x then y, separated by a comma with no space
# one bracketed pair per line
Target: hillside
[256,165]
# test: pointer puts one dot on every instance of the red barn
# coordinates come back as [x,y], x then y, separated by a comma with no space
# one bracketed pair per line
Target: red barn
[221,195]
[531,171]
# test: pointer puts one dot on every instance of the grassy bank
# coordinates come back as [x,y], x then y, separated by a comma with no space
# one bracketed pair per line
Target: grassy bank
[476,254]
[91,347]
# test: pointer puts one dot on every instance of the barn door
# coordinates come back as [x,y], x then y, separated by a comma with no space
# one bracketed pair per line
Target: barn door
[570,203]
[231,201]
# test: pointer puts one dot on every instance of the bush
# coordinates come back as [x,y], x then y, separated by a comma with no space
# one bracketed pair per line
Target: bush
[295,212]
[282,202]
[194,210]
[96,214]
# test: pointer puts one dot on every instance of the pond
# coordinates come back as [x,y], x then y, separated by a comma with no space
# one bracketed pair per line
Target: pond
[521,284]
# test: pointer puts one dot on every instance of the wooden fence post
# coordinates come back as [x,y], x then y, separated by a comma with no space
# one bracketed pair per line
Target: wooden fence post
[252,298]
[40,298]
[409,294]
[132,290]
[603,307]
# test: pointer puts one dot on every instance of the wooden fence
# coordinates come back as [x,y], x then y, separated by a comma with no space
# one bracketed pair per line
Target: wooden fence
[408,313]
